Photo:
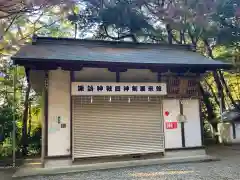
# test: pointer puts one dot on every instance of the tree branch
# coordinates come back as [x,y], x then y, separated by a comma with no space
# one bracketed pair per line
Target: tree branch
[215,74]
[227,90]
[35,30]
[11,23]
[23,10]
[194,42]
[208,104]
[212,91]
[120,37]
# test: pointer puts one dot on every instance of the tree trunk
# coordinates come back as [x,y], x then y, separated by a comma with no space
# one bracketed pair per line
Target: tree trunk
[134,39]
[169,31]
[215,75]
[208,105]
[24,121]
[220,89]
[212,91]
[194,42]
[211,115]
[182,37]
[228,91]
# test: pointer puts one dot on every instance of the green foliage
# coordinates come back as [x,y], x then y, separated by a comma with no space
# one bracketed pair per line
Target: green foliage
[227,22]
[35,141]
[6,116]
[6,111]
[6,148]
[123,16]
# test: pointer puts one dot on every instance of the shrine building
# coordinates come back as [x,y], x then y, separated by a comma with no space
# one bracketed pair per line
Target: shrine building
[116,99]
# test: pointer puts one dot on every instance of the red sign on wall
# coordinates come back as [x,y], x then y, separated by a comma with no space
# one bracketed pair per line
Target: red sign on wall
[171,125]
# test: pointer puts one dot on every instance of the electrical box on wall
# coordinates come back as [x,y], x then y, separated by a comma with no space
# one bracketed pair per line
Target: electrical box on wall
[59,119]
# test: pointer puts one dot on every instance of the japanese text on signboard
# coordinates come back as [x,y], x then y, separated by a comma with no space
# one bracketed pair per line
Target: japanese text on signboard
[118,88]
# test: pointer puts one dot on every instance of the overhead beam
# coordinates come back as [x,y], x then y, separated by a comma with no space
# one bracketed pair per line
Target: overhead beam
[117,69]
[179,71]
[66,67]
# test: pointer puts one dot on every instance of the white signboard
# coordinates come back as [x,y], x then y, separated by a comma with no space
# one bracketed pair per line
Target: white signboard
[94,88]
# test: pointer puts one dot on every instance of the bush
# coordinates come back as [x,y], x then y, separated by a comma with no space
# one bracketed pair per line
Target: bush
[6,148]
[34,142]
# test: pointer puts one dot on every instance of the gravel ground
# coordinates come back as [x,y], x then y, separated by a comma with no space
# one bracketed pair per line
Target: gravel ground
[6,173]
[198,171]
[226,169]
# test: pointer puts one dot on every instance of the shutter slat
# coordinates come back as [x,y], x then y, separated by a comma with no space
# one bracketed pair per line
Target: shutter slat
[104,128]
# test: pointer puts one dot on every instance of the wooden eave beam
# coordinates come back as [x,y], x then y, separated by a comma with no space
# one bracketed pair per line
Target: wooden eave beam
[117,69]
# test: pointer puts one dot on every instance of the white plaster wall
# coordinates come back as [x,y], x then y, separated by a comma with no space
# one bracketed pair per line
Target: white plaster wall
[225,131]
[59,105]
[193,125]
[237,139]
[37,80]
[173,138]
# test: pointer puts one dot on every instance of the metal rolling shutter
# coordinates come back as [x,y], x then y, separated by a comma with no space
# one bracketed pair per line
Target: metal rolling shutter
[104,128]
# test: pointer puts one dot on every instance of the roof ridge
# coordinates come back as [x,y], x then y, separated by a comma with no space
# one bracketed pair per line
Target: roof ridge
[36,40]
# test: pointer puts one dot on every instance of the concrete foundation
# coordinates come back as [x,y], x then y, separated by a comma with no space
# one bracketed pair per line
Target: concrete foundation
[61,166]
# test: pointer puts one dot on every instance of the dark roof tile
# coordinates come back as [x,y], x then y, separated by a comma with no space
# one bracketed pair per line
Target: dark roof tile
[105,51]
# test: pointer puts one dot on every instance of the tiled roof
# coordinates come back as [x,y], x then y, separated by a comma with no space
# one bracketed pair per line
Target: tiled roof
[46,49]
